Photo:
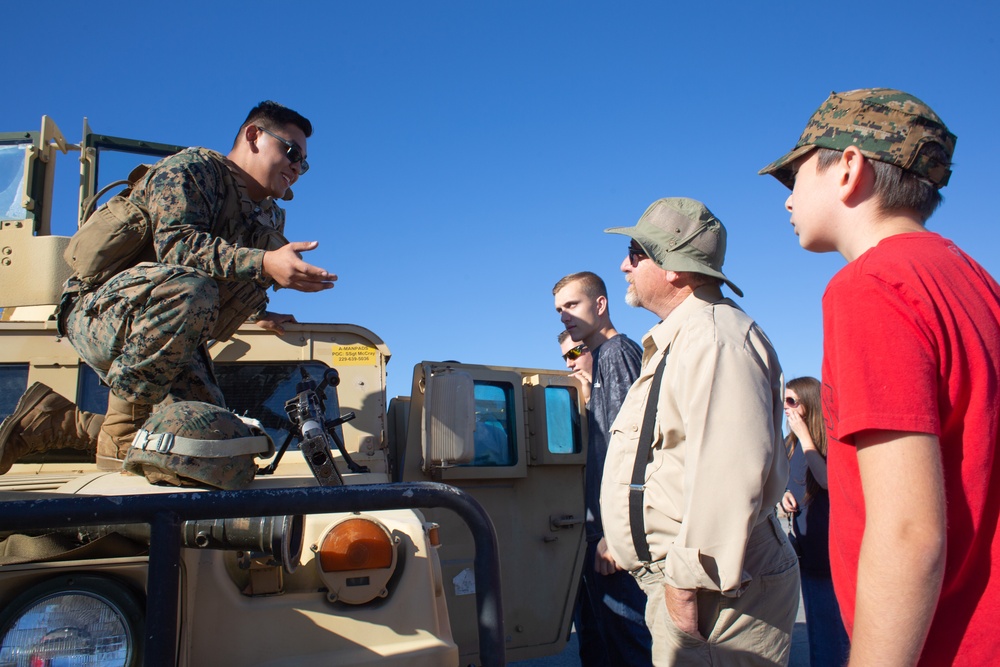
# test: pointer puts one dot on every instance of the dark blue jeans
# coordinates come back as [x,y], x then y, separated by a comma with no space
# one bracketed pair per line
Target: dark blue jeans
[610,618]
[828,643]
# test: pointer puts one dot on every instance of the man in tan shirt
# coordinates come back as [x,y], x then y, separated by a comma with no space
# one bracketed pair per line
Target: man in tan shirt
[691,515]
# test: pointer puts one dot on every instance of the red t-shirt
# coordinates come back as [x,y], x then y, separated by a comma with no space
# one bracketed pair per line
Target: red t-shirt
[912,343]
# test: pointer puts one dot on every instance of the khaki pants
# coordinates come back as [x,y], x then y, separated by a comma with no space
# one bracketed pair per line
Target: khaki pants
[752,629]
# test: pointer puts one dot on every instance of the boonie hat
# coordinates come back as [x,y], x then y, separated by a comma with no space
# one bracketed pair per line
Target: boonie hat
[681,234]
[885,124]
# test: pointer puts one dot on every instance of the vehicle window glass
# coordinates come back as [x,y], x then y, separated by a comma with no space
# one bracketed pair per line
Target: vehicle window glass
[494,434]
[114,165]
[12,182]
[91,395]
[562,420]
[13,382]
[255,390]
[260,390]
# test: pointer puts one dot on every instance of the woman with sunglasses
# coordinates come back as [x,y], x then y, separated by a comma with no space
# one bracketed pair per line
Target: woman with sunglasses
[809,503]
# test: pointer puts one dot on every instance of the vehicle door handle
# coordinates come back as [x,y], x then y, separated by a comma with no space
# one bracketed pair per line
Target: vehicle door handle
[563,521]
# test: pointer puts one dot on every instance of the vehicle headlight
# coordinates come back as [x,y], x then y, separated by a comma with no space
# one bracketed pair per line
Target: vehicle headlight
[72,621]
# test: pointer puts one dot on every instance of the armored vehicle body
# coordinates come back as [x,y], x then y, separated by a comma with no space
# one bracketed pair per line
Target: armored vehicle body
[363,564]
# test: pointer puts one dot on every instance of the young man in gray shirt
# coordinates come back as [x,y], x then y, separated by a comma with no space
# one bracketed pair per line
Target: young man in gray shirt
[610,610]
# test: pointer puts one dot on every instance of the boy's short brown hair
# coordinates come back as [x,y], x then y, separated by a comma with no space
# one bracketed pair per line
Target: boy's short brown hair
[895,188]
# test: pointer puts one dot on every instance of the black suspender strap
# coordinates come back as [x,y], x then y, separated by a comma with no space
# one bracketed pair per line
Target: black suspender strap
[637,488]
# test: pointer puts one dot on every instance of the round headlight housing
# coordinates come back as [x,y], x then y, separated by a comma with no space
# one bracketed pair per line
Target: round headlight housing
[356,558]
[72,621]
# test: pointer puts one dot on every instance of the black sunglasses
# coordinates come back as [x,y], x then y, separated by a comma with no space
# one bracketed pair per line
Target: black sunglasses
[294,153]
[791,402]
[635,254]
[575,353]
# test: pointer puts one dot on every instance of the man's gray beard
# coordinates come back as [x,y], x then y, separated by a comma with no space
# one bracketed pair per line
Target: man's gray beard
[632,297]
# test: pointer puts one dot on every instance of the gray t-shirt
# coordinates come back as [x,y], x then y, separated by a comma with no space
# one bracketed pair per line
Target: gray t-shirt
[616,366]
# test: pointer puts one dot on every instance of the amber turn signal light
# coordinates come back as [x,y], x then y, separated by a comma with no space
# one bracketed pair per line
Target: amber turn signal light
[356,544]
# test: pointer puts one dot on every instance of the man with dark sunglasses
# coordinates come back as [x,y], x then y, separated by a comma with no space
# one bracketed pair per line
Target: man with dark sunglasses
[696,460]
[610,606]
[578,360]
[217,245]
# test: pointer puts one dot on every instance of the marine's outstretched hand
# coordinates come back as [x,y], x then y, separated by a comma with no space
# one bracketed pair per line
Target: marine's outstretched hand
[287,268]
[272,322]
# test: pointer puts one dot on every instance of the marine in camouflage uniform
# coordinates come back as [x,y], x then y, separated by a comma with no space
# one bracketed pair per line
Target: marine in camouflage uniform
[217,246]
[143,330]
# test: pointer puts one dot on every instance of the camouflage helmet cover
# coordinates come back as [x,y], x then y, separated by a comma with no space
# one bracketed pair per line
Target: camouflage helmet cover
[189,443]
[885,125]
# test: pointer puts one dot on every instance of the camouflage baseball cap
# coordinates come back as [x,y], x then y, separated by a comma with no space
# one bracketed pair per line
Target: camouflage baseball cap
[189,443]
[886,125]
[681,234]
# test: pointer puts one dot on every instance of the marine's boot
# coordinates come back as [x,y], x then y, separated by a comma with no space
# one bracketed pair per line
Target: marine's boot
[121,423]
[43,421]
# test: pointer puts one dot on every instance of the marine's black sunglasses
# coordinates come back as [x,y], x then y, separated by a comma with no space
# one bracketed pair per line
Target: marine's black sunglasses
[635,253]
[575,353]
[294,153]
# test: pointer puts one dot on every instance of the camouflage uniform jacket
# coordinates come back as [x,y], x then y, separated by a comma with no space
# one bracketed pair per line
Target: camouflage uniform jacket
[190,198]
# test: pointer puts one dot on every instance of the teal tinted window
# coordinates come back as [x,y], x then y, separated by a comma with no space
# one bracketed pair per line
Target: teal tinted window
[562,420]
[495,434]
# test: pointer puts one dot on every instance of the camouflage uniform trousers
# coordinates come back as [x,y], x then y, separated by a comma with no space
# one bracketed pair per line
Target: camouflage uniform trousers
[143,332]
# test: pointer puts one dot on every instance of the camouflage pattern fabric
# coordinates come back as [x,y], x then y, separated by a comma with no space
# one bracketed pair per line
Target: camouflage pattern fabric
[185,197]
[143,330]
[886,125]
[199,421]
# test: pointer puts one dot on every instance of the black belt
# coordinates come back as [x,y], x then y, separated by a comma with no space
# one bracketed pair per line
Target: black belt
[637,489]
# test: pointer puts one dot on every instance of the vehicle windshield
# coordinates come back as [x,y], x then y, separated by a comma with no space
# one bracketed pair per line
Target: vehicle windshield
[260,390]
[12,182]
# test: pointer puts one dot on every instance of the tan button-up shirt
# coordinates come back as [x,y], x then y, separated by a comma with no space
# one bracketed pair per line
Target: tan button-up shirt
[718,464]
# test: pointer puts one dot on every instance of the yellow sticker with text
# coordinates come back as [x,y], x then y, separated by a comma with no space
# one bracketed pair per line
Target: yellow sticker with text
[354,355]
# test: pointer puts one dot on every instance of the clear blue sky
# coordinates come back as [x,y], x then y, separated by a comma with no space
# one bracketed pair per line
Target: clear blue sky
[466,155]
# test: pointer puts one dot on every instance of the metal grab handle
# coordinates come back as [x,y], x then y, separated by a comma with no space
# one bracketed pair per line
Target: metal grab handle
[165,513]
[564,521]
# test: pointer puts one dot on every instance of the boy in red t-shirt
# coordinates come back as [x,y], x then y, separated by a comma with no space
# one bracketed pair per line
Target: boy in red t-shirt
[911,384]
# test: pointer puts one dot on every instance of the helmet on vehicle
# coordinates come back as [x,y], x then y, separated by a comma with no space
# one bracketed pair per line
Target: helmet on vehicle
[189,443]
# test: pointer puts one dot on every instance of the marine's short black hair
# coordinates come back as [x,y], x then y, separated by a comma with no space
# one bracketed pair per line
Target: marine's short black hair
[273,116]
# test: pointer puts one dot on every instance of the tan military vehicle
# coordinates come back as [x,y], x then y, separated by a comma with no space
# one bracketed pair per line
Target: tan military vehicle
[363,541]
